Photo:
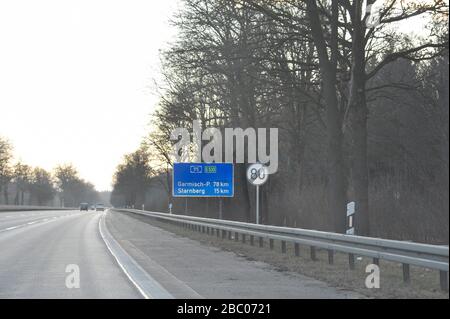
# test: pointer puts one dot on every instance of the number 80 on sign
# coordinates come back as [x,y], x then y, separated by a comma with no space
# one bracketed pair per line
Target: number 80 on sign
[257,174]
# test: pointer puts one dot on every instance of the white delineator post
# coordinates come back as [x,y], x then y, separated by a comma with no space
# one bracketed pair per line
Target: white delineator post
[350,218]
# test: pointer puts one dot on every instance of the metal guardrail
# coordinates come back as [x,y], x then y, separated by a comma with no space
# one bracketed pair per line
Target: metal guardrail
[13,208]
[407,253]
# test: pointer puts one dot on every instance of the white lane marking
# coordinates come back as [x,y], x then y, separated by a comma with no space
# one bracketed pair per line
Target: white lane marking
[39,222]
[145,284]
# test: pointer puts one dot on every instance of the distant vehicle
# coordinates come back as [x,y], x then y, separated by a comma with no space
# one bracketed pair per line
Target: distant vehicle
[99,207]
[92,207]
[84,206]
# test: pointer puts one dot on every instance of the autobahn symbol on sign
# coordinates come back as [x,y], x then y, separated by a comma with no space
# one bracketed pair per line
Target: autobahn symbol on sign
[203,180]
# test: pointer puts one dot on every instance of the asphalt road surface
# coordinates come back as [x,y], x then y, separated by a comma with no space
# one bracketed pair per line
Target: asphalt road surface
[117,256]
[37,247]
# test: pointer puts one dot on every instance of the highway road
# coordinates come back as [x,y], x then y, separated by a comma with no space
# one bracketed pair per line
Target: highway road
[37,247]
[117,256]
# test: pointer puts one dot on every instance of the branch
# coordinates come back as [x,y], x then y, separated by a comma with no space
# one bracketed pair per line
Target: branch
[406,54]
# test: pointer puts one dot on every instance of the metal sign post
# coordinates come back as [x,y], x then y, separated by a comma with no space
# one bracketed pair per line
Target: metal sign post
[257,204]
[257,174]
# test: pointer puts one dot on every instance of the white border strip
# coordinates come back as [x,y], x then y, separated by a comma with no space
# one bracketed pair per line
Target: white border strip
[148,287]
[40,221]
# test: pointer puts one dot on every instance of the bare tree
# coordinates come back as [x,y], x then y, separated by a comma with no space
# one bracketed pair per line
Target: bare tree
[5,167]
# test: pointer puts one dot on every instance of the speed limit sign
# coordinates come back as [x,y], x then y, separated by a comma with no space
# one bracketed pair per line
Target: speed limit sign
[257,174]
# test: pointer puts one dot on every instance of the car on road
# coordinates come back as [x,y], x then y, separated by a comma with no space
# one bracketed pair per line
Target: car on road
[84,206]
[99,207]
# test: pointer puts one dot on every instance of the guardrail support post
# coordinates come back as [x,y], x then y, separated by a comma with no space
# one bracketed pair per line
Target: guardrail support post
[218,233]
[236,236]
[229,235]
[443,279]
[297,249]
[261,242]
[283,246]
[330,256]
[351,261]
[406,274]
[376,261]
[312,253]
[224,234]
[271,243]
[252,240]
[243,238]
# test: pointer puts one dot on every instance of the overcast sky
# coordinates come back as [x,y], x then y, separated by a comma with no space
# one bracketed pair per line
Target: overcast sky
[76,79]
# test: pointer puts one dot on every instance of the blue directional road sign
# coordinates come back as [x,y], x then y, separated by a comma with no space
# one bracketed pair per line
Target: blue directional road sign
[203,180]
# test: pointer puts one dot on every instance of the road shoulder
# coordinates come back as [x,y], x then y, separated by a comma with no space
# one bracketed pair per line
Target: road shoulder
[196,270]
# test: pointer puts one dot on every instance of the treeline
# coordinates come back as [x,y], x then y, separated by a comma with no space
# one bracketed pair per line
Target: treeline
[21,184]
[362,112]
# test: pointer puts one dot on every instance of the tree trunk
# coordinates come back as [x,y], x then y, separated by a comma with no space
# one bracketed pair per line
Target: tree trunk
[360,167]
[358,112]
[5,194]
[336,176]
[16,198]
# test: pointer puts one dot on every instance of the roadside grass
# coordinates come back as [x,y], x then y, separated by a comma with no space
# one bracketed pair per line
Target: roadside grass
[424,282]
